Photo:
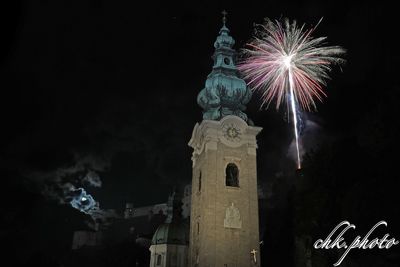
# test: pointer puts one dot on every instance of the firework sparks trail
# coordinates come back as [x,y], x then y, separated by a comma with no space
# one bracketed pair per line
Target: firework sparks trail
[284,63]
[293,106]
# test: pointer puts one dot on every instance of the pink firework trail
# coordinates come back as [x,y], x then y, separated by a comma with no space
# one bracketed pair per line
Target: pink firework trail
[284,63]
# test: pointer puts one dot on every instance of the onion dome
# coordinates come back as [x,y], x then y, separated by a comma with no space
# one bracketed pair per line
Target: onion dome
[225,93]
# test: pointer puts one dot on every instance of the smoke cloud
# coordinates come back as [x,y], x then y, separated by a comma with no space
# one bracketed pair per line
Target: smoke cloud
[93,179]
[66,185]
[311,135]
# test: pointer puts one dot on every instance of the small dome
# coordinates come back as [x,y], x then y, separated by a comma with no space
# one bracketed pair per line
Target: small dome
[224,40]
[171,233]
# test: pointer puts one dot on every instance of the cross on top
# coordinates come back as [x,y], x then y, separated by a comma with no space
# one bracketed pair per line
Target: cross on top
[224,13]
[254,252]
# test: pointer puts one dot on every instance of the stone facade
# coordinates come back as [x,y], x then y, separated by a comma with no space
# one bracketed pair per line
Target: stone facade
[224,228]
[164,255]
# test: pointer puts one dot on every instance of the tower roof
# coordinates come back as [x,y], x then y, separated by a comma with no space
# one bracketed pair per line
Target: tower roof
[225,93]
[224,40]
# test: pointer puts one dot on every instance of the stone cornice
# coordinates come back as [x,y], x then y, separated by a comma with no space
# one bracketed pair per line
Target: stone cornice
[209,133]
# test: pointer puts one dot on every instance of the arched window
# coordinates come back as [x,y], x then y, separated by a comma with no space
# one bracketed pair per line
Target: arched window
[232,175]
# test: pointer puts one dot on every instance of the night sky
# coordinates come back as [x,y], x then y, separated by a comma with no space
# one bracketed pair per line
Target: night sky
[111,87]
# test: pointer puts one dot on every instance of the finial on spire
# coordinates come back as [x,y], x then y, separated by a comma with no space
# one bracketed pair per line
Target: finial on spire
[224,13]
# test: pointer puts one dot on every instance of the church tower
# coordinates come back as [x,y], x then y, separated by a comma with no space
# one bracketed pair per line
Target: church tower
[224,228]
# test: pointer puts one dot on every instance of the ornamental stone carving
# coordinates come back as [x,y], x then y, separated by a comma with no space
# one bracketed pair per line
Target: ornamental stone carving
[232,217]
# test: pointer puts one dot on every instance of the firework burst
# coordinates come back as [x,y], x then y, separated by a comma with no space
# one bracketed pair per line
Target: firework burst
[284,63]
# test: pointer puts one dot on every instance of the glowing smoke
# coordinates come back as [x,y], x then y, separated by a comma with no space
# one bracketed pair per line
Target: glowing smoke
[312,135]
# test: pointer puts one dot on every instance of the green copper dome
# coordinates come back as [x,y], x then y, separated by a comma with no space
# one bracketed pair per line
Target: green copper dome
[225,93]
[171,233]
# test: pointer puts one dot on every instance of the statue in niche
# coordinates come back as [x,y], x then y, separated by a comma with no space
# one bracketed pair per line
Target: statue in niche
[232,217]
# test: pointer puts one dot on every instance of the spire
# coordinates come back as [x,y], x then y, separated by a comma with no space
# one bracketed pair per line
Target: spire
[224,13]
[224,39]
[225,93]
[174,207]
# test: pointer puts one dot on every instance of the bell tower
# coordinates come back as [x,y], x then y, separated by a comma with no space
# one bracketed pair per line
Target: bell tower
[224,228]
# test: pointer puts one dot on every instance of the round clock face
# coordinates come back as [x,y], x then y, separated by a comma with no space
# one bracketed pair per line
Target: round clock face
[231,132]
